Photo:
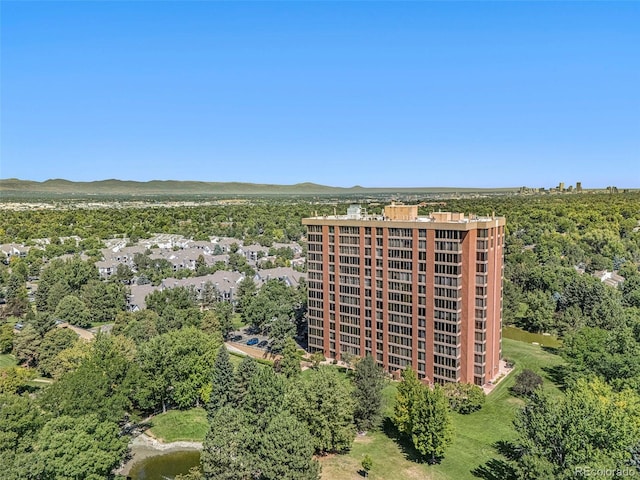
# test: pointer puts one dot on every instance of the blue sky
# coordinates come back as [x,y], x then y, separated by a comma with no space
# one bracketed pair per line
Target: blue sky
[469,94]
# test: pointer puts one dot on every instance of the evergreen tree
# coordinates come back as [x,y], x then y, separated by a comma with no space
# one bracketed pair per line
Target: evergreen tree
[225,450]
[264,399]
[286,450]
[17,298]
[369,382]
[222,382]
[290,362]
[244,373]
[431,425]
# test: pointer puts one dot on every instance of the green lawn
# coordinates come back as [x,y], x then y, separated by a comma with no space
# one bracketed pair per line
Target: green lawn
[236,321]
[515,333]
[474,438]
[180,425]
[7,361]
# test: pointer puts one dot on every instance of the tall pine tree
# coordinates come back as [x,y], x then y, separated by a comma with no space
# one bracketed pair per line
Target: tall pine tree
[244,373]
[222,383]
[369,382]
[290,362]
[225,454]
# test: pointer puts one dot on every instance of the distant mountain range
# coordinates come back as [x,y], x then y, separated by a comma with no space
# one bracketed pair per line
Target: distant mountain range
[14,186]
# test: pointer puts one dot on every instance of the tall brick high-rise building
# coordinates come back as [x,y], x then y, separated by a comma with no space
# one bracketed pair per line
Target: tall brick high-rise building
[425,291]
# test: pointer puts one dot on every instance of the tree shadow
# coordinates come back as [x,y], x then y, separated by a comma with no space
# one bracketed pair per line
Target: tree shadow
[495,469]
[507,449]
[405,444]
[552,350]
[558,374]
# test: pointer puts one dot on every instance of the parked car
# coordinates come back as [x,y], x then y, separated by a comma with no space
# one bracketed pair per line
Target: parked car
[236,338]
[263,344]
[252,341]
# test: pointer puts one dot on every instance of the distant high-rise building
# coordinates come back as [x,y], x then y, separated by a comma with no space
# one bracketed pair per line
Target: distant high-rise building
[578,187]
[408,290]
[561,186]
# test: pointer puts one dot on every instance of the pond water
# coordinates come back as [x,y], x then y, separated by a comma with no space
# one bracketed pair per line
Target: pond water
[165,466]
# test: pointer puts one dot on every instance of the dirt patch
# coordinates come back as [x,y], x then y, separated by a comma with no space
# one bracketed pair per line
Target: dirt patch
[254,352]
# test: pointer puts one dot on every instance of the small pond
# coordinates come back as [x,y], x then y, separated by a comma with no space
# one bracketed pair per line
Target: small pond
[164,466]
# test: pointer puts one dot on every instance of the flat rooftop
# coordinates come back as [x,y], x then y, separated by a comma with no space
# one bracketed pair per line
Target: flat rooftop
[405,213]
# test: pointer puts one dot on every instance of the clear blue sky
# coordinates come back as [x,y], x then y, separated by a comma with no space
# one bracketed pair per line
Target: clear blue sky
[482,94]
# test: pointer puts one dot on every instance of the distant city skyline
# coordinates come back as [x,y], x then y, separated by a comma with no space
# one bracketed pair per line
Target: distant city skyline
[377,94]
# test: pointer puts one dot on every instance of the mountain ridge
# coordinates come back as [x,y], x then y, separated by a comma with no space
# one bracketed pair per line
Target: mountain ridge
[195,187]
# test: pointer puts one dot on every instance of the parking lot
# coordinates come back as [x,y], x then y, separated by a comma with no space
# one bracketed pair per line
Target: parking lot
[245,335]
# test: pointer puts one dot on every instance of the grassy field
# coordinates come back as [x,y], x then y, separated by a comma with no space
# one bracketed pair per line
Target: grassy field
[7,361]
[474,439]
[180,425]
[515,333]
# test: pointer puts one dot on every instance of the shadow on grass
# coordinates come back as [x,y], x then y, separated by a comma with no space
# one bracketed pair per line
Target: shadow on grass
[405,444]
[552,350]
[499,469]
[507,449]
[559,374]
[495,469]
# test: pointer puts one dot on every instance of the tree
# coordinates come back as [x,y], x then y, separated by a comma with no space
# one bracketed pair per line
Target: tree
[70,358]
[369,382]
[244,373]
[85,447]
[103,300]
[286,449]
[17,298]
[53,343]
[6,338]
[20,420]
[590,427]
[527,382]
[123,274]
[264,399]
[73,310]
[246,291]
[431,425]
[317,358]
[222,382]
[464,398]
[177,368]
[408,393]
[290,362]
[225,450]
[323,401]
[26,346]
[280,330]
[14,379]
[139,326]
[104,383]
[367,465]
